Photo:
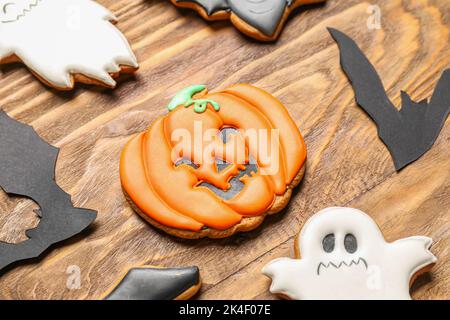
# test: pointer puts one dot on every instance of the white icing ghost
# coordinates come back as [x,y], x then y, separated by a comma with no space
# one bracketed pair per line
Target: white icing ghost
[345,256]
[59,38]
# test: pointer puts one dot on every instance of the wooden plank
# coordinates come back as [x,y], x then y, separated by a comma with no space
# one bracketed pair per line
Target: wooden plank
[347,163]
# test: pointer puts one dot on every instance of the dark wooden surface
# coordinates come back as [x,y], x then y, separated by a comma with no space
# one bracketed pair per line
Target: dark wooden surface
[347,164]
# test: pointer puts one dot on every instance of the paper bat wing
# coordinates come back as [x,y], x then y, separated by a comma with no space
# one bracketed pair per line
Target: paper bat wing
[408,133]
[439,108]
[149,283]
[369,90]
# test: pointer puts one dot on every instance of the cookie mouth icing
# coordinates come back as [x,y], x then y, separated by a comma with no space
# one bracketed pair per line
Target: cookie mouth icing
[342,264]
[12,11]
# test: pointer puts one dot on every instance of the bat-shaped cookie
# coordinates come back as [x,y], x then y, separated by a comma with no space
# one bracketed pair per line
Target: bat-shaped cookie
[27,168]
[260,19]
[408,133]
[152,283]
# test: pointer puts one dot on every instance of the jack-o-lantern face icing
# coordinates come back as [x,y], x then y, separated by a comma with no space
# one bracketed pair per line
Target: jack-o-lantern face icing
[13,10]
[215,164]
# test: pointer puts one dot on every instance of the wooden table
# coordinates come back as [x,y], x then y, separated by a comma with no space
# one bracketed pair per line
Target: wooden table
[347,164]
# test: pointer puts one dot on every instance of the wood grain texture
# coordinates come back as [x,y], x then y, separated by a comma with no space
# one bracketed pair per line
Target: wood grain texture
[347,164]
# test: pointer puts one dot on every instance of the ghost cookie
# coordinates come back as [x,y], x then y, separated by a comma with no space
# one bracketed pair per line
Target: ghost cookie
[344,256]
[260,19]
[64,41]
[152,283]
[216,164]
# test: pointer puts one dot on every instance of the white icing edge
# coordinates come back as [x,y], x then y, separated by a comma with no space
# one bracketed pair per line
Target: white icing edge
[412,254]
[103,61]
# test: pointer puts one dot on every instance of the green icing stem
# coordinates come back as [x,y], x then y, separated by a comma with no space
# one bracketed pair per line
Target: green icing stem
[184,97]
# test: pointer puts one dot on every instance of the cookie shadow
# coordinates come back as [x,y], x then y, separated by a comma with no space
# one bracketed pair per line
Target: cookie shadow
[122,80]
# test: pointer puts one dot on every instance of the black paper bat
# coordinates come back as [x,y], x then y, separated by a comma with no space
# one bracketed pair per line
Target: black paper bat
[264,15]
[27,168]
[149,283]
[408,133]
[210,6]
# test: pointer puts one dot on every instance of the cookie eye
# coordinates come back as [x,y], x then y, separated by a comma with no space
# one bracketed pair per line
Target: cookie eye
[350,243]
[328,243]
[6,7]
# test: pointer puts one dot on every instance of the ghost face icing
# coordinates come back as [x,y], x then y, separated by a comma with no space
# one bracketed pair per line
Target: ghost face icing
[57,39]
[344,256]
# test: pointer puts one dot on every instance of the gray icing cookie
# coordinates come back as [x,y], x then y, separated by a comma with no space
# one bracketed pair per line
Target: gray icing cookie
[210,6]
[408,133]
[264,15]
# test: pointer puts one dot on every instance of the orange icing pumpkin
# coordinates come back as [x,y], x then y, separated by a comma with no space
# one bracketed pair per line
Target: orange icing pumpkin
[177,195]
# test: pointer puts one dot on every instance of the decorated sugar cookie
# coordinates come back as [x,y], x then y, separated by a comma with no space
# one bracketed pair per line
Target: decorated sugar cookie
[152,283]
[63,41]
[259,19]
[216,164]
[344,256]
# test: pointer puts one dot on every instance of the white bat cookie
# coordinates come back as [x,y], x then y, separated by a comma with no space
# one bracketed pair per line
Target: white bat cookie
[64,41]
[344,256]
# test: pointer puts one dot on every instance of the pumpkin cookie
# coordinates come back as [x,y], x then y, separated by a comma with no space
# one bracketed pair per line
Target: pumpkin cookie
[216,164]
[262,19]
